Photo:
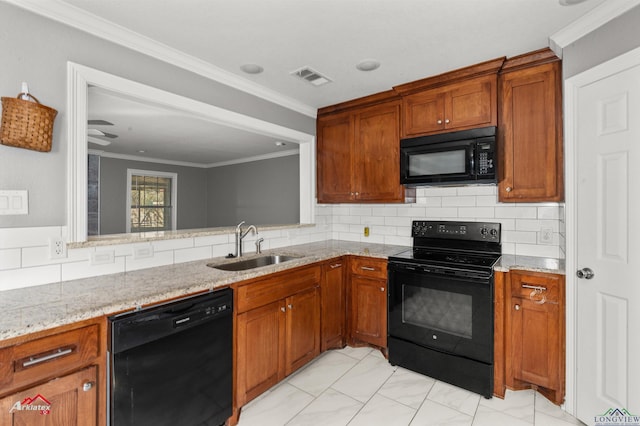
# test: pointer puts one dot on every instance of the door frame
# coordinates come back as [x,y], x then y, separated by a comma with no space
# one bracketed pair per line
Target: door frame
[572,88]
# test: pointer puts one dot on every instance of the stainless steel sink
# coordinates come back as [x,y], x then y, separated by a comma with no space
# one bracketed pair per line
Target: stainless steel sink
[256,262]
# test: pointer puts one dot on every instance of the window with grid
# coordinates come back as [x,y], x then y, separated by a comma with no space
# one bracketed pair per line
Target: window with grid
[151,202]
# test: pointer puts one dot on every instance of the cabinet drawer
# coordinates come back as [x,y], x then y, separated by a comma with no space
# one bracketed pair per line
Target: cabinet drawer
[535,286]
[47,357]
[262,292]
[369,267]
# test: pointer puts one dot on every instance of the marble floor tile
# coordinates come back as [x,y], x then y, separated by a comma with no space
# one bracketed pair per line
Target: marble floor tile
[332,408]
[383,411]
[316,377]
[546,410]
[434,414]
[275,407]
[357,386]
[487,417]
[407,387]
[454,397]
[364,380]
[518,404]
[357,353]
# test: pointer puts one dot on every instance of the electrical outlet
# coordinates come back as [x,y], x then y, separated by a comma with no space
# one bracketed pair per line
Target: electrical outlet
[546,235]
[57,248]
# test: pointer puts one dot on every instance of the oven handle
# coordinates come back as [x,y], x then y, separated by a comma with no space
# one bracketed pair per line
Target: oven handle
[439,271]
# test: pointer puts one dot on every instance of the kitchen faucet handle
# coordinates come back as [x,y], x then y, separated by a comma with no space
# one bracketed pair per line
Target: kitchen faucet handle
[239,225]
[258,246]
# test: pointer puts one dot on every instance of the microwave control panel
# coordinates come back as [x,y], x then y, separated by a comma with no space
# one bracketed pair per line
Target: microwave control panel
[485,158]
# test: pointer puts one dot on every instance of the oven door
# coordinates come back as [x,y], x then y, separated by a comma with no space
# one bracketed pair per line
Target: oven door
[442,309]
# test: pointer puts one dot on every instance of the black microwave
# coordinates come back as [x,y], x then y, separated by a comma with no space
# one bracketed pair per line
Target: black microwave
[464,157]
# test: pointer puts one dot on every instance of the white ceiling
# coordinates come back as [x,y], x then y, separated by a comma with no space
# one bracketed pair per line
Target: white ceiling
[412,39]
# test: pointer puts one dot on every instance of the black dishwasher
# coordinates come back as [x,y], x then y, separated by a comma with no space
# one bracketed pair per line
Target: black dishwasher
[172,364]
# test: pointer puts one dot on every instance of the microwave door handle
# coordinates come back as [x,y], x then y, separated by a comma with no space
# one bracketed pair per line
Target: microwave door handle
[472,164]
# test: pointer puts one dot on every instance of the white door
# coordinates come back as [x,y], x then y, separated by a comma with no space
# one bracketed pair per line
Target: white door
[607,172]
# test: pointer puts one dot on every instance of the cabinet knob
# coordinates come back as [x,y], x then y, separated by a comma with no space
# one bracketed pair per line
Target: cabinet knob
[517,307]
[508,189]
[337,265]
[381,288]
[290,306]
[439,121]
[283,309]
[446,121]
[87,386]
[357,193]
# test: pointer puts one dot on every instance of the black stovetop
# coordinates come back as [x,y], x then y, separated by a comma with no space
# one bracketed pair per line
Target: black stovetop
[463,245]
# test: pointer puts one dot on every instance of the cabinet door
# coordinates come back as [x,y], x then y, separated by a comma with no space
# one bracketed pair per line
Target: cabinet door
[531,135]
[423,112]
[332,302]
[471,104]
[536,343]
[334,158]
[369,310]
[72,401]
[302,329]
[376,169]
[260,354]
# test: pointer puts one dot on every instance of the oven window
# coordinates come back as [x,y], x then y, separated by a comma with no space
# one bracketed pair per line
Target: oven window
[438,310]
[437,163]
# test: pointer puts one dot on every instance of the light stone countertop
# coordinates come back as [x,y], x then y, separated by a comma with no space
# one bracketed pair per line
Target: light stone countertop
[530,263]
[42,307]
[32,309]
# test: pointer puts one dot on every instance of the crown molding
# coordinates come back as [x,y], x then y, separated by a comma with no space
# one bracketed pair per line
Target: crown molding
[256,158]
[591,21]
[77,18]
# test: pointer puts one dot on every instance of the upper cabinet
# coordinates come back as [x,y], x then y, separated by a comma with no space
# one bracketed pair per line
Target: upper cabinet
[457,100]
[530,128]
[358,158]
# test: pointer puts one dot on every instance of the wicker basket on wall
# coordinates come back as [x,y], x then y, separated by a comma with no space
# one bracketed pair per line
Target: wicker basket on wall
[27,124]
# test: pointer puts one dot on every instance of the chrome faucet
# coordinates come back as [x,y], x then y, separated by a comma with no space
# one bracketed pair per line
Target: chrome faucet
[240,235]
[259,241]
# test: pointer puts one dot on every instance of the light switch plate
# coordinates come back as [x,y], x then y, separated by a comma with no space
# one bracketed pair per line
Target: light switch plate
[14,202]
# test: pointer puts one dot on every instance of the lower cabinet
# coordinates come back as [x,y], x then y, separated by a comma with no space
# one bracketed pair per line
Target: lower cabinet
[367,300]
[333,304]
[66,401]
[277,329]
[55,377]
[535,333]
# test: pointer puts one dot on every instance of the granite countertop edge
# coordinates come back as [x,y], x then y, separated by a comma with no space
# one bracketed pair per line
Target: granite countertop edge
[32,309]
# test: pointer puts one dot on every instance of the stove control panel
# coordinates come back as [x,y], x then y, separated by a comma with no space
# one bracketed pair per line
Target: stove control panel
[470,231]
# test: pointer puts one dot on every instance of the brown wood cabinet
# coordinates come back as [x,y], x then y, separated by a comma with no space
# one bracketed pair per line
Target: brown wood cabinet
[530,130]
[368,302]
[72,399]
[534,331]
[358,153]
[453,107]
[277,329]
[462,99]
[333,304]
[63,367]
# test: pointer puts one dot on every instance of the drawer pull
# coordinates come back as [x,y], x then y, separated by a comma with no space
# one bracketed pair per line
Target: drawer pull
[367,268]
[536,290]
[337,265]
[57,354]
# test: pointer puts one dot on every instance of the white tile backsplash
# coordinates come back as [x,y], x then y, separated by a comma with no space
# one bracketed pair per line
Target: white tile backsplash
[521,223]
[24,252]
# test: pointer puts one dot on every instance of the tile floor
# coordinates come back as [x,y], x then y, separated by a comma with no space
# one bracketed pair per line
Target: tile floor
[358,387]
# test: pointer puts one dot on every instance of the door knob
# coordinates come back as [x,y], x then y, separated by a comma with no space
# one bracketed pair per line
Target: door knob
[585,273]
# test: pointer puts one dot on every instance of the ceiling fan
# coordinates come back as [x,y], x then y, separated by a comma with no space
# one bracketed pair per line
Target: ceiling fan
[94,135]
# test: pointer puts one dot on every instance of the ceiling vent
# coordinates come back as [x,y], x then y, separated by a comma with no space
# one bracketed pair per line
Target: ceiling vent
[311,75]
